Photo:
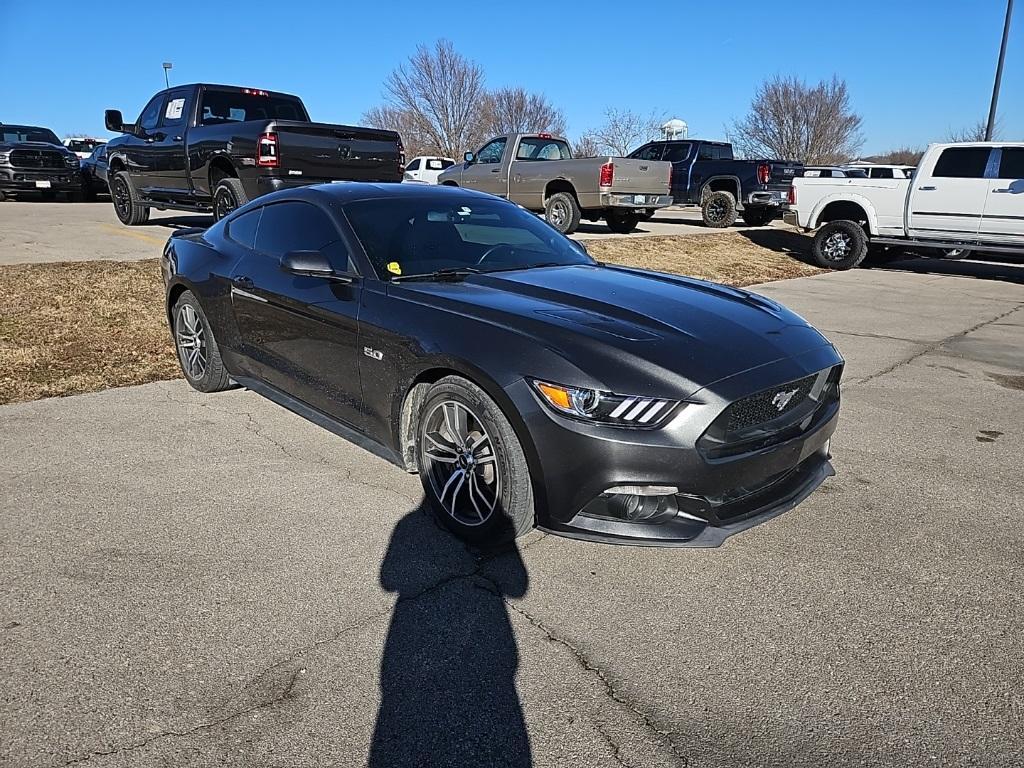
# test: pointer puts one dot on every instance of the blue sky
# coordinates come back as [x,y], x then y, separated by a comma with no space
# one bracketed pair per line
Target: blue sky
[916,68]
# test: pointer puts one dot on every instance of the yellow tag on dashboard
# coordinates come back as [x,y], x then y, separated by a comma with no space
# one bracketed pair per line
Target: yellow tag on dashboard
[394,268]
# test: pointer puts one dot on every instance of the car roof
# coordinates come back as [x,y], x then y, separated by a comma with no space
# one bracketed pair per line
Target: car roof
[350,191]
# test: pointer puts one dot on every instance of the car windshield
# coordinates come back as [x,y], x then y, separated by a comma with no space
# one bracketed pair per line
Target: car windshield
[13,134]
[412,236]
[83,145]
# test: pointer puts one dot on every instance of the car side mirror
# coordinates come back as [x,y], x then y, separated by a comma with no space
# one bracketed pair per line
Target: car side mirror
[311,264]
[114,121]
[469,157]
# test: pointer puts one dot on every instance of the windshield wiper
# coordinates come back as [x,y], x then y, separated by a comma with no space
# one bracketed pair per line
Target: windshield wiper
[446,273]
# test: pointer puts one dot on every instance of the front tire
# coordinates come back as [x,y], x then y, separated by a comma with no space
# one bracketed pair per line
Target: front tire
[840,245]
[719,210]
[197,347]
[127,205]
[227,196]
[621,222]
[472,466]
[562,212]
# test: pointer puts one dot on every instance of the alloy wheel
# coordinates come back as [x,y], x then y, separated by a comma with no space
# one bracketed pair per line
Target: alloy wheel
[559,214]
[122,199]
[716,211]
[462,465]
[191,341]
[837,246]
[224,204]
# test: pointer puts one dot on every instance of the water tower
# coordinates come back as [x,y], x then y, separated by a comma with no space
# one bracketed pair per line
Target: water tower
[675,129]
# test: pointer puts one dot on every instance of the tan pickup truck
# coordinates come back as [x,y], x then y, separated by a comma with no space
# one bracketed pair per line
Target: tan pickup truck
[538,171]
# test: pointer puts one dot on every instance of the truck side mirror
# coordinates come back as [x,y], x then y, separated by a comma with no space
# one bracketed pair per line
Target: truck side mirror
[469,157]
[114,121]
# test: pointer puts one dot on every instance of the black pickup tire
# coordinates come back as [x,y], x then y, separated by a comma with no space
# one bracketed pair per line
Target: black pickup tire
[127,203]
[228,194]
[718,210]
[562,212]
[758,216]
[621,222]
[839,245]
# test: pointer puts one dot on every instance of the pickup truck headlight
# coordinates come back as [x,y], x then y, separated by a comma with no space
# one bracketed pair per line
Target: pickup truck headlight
[73,161]
[5,158]
[605,407]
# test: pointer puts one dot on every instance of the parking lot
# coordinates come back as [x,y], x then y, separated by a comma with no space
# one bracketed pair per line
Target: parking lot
[210,580]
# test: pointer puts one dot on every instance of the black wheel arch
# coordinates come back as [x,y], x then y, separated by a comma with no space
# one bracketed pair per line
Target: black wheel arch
[730,184]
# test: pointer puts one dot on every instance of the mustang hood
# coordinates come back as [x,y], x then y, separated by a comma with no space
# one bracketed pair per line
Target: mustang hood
[619,325]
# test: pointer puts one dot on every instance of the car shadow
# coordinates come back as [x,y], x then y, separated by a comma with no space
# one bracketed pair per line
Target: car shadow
[447,675]
[794,244]
[976,267]
[182,222]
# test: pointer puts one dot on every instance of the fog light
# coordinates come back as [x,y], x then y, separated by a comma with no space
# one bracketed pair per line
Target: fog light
[641,509]
[645,490]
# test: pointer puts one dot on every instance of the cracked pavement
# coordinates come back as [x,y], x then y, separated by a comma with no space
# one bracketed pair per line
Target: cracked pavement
[192,580]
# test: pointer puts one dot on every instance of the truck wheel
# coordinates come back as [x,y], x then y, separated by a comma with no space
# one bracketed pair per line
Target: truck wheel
[839,245]
[127,205]
[227,195]
[621,222]
[562,212]
[758,216]
[719,210]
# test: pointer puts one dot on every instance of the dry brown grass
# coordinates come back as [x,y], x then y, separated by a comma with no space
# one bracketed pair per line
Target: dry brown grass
[733,258]
[79,327]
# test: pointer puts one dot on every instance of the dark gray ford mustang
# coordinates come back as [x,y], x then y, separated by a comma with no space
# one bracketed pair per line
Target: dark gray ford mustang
[462,338]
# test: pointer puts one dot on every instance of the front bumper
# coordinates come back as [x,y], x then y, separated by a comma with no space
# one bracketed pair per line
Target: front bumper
[40,180]
[575,463]
[638,201]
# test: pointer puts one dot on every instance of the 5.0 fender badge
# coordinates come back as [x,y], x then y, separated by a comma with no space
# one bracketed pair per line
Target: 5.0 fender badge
[376,354]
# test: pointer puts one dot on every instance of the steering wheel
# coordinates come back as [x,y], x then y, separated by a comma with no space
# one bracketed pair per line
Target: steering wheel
[491,250]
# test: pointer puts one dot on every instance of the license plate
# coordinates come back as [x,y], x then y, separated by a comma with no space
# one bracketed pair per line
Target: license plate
[42,185]
[639,199]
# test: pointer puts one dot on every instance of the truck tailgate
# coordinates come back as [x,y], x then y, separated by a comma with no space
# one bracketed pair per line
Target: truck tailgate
[326,151]
[640,176]
[783,172]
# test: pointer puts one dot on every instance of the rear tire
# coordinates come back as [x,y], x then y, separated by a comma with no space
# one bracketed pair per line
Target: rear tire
[839,245]
[227,196]
[472,466]
[719,210]
[198,352]
[758,216]
[562,212]
[621,222]
[127,205]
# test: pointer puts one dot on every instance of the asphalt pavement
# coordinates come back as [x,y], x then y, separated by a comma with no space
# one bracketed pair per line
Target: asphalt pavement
[201,580]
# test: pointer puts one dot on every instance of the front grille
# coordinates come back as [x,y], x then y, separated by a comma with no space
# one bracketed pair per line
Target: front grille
[37,158]
[768,405]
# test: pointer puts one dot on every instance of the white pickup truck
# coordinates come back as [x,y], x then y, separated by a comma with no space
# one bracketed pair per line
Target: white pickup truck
[962,197]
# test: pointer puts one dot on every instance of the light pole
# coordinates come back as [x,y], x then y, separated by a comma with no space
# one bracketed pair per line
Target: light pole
[999,74]
[168,66]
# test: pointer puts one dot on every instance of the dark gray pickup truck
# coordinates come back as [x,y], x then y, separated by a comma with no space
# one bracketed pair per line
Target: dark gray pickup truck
[705,173]
[215,147]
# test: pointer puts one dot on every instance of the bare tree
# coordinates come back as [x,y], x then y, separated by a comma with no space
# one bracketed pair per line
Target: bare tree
[438,95]
[793,121]
[900,156]
[624,130]
[415,141]
[516,110]
[586,146]
[975,132]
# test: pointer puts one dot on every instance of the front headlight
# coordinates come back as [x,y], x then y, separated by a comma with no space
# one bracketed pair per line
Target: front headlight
[73,161]
[5,158]
[606,407]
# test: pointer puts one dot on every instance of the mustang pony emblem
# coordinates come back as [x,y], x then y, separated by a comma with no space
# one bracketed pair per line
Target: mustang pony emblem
[781,399]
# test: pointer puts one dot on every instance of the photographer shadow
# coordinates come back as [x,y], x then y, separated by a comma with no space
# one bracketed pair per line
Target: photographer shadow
[447,679]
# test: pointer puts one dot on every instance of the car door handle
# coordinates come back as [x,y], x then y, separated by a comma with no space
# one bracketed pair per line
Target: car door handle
[495,170]
[927,189]
[1002,190]
[243,282]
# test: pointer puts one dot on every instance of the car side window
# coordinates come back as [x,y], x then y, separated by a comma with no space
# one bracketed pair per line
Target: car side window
[962,163]
[242,229]
[1011,166]
[300,226]
[653,152]
[414,165]
[881,173]
[176,109]
[492,152]
[676,153]
[150,117]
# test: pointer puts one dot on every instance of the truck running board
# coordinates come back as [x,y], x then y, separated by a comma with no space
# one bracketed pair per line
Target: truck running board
[974,245]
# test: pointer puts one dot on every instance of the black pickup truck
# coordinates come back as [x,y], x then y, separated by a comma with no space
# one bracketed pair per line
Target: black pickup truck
[705,173]
[33,160]
[216,147]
